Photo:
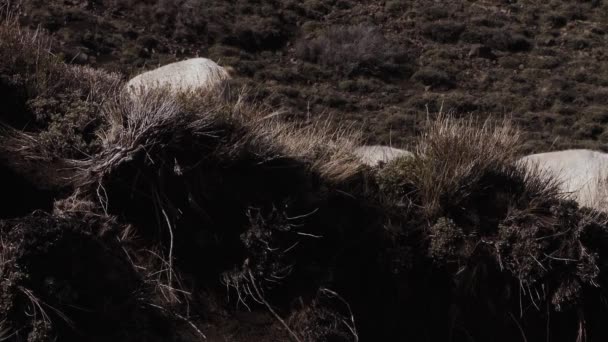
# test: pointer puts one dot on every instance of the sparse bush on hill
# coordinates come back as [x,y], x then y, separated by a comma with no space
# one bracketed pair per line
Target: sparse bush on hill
[59,104]
[443,32]
[434,78]
[393,6]
[359,49]
[498,38]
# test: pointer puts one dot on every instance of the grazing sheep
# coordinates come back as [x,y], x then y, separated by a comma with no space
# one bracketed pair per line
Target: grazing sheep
[581,173]
[189,75]
[377,154]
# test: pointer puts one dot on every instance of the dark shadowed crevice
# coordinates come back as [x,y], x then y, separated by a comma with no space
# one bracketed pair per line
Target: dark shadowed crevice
[13,111]
[19,196]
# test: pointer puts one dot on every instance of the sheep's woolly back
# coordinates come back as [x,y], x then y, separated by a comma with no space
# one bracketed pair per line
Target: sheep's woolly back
[185,76]
[582,174]
[374,154]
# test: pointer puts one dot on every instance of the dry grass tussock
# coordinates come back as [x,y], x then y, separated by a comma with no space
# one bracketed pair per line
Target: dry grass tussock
[454,155]
[24,49]
[228,129]
[51,108]
[26,55]
[5,333]
[328,150]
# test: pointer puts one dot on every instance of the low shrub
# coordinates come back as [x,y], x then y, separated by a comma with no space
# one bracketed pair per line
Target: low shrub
[500,39]
[435,78]
[453,156]
[443,31]
[58,103]
[359,49]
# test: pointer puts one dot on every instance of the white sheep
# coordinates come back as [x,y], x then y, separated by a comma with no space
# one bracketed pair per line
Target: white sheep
[581,173]
[375,154]
[185,76]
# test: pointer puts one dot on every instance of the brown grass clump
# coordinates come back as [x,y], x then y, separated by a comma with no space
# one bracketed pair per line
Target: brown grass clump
[55,103]
[326,318]
[454,155]
[49,110]
[158,118]
[357,49]
[328,150]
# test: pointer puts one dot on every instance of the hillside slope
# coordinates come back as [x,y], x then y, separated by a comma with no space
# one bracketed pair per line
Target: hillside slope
[378,64]
[206,216]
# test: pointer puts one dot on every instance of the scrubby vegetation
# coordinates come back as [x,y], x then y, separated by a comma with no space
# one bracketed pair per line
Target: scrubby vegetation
[354,50]
[41,93]
[540,61]
[200,216]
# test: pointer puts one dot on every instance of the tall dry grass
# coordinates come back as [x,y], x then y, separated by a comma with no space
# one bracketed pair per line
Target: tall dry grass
[51,109]
[328,150]
[24,52]
[454,155]
[157,116]
[26,58]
